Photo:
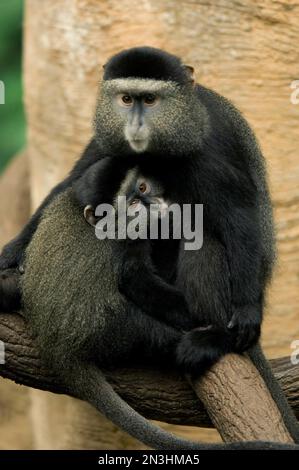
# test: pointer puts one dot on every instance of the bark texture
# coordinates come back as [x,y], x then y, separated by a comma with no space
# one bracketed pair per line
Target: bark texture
[234,394]
[239,403]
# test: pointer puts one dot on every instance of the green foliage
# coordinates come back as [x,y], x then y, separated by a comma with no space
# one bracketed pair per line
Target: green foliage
[12,121]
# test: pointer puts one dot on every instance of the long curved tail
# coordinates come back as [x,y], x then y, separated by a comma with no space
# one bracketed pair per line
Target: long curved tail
[93,387]
[257,356]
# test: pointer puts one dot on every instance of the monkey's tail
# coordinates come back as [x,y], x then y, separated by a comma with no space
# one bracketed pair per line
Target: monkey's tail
[93,387]
[257,356]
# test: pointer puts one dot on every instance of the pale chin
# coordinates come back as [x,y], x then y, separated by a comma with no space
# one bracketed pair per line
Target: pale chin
[138,146]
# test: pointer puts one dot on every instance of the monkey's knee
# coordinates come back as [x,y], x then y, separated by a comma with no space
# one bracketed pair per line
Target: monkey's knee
[201,348]
[155,340]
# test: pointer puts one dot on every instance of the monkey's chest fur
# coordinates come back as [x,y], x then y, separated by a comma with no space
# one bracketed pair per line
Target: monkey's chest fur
[70,292]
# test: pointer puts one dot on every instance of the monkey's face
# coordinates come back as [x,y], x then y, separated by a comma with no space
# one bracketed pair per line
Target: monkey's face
[146,194]
[149,116]
[142,193]
[144,205]
[138,197]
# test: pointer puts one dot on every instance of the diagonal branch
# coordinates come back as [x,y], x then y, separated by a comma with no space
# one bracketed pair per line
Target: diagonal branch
[156,394]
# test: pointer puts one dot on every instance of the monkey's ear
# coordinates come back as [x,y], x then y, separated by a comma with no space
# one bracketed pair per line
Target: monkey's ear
[104,66]
[89,216]
[190,72]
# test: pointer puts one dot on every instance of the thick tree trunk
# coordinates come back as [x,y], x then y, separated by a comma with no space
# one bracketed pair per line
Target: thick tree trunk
[239,403]
[245,50]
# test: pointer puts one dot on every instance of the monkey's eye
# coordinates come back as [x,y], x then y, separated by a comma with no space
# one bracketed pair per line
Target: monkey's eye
[134,202]
[126,100]
[150,100]
[144,187]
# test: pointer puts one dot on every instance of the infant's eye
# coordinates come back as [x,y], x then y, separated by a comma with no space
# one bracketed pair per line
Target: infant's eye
[142,187]
[150,100]
[134,202]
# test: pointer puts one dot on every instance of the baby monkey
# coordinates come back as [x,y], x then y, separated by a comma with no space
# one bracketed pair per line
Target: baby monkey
[148,273]
[146,277]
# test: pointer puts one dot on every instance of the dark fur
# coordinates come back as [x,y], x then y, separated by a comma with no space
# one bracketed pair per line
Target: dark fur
[146,62]
[10,294]
[141,280]
[139,277]
[205,277]
[81,327]
[219,165]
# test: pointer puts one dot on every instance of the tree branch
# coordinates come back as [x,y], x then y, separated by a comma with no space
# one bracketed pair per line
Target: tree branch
[157,394]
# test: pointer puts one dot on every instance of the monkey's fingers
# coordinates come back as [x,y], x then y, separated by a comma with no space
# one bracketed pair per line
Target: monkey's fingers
[233,321]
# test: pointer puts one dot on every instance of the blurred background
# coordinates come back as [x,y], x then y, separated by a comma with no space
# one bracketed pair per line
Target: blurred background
[246,50]
[12,120]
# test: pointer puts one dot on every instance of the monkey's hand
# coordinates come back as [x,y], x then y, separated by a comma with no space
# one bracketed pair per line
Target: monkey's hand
[246,325]
[10,291]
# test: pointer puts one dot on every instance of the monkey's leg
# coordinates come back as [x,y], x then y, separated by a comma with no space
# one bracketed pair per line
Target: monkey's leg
[203,277]
[238,227]
[134,335]
[139,283]
[155,340]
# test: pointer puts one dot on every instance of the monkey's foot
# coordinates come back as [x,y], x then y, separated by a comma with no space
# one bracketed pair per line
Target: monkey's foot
[202,347]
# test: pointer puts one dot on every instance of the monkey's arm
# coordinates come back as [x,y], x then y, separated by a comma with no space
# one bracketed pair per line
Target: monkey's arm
[139,283]
[13,252]
[100,182]
[240,233]
[247,231]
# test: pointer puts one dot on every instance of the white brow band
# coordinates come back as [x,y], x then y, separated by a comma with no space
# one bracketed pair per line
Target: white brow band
[139,85]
